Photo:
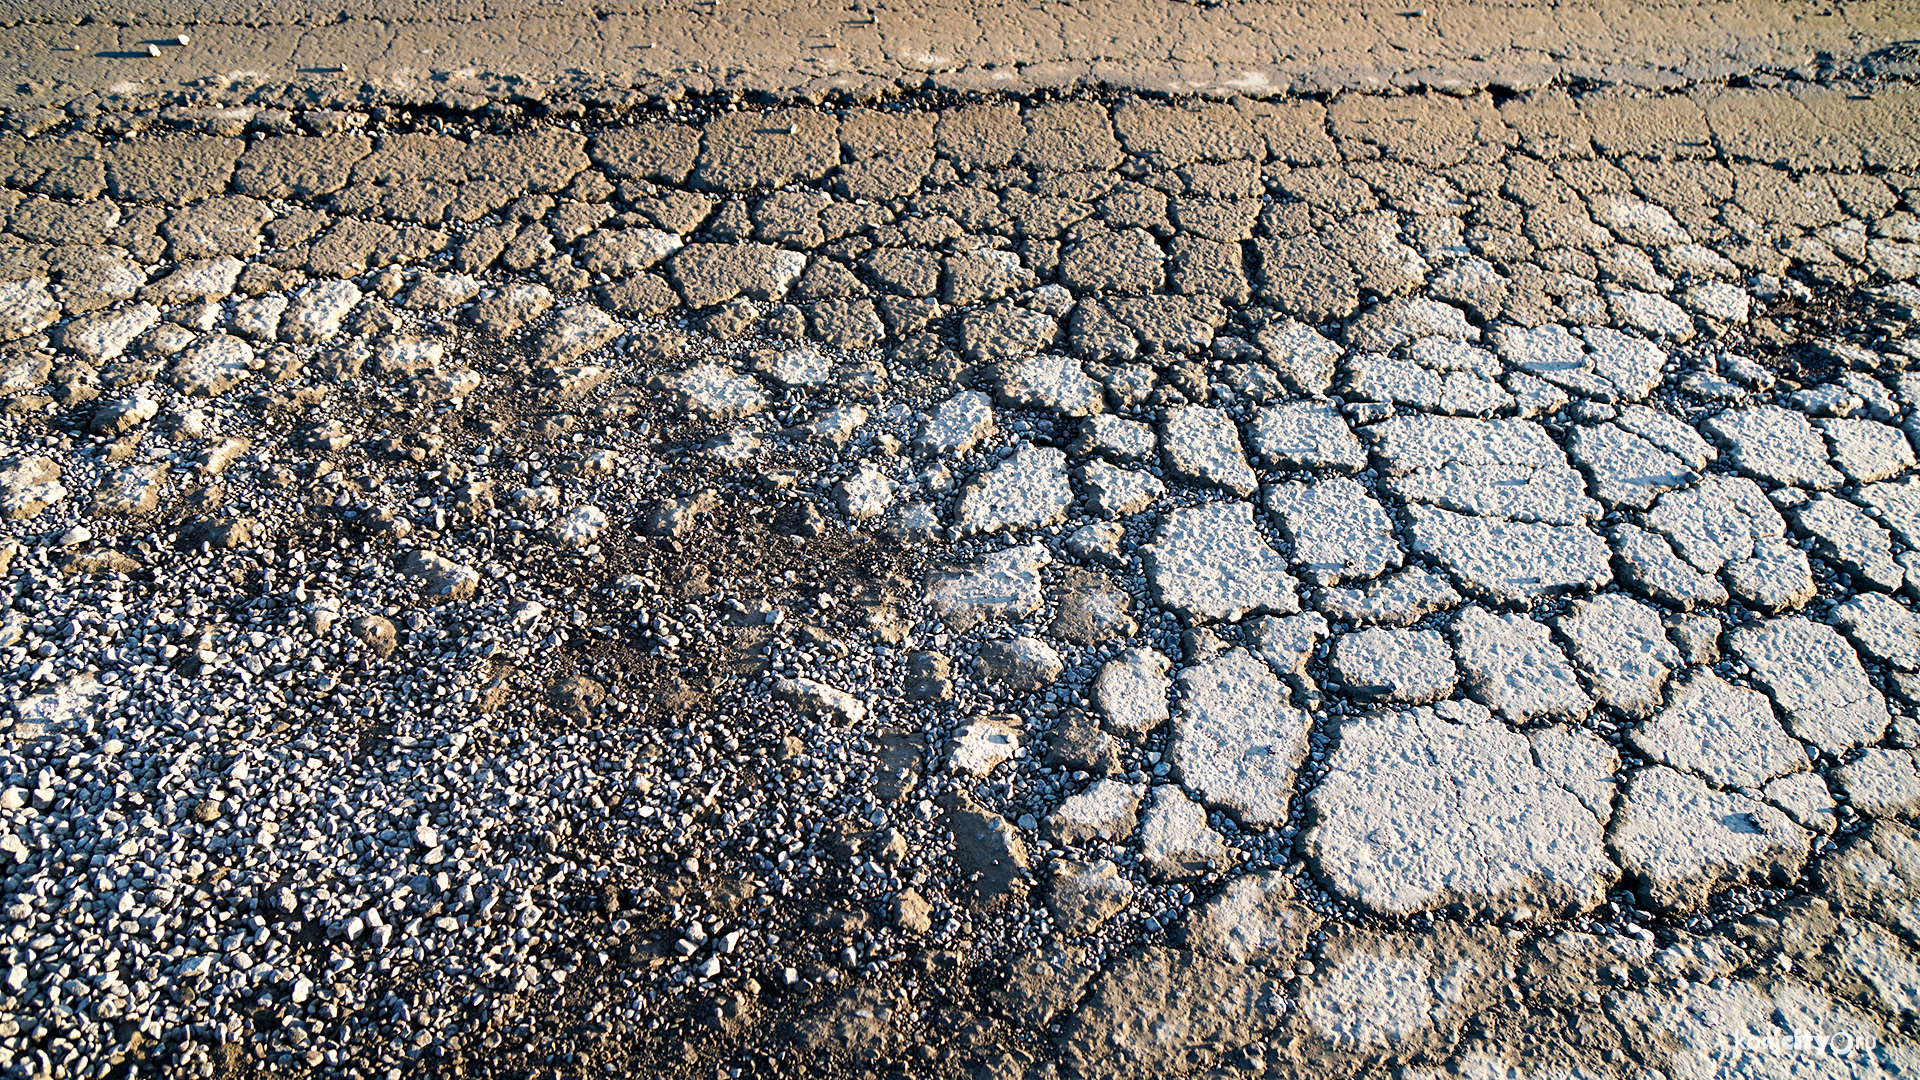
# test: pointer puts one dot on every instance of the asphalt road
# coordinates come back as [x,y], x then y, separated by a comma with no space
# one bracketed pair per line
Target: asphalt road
[66,50]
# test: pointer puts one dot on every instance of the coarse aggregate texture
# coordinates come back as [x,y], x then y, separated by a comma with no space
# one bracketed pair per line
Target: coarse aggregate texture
[963,581]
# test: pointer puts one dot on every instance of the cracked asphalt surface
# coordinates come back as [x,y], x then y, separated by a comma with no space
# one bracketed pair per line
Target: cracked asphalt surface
[1186,547]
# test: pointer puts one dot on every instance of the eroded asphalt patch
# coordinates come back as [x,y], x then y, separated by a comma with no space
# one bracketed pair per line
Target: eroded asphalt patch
[1076,586]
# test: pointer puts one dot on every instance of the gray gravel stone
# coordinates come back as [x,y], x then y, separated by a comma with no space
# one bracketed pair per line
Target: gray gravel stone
[1499,468]
[1510,562]
[1209,562]
[1236,741]
[1175,840]
[1510,664]
[1029,490]
[1304,435]
[1131,692]
[1815,680]
[1202,446]
[1436,806]
[1403,666]
[1621,647]
[1338,532]
[1724,734]
[1775,445]
[1400,599]
[1678,839]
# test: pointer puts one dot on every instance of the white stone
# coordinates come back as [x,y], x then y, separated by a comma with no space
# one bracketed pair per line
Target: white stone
[956,425]
[1131,691]
[818,701]
[579,526]
[1402,666]
[26,307]
[1417,813]
[213,365]
[1029,490]
[1338,531]
[1680,839]
[1816,681]
[1725,734]
[1209,562]
[1237,740]
[316,312]
[980,747]
[1003,583]
[1175,839]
